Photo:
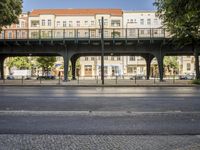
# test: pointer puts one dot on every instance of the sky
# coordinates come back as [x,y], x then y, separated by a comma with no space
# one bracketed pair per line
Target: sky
[29,5]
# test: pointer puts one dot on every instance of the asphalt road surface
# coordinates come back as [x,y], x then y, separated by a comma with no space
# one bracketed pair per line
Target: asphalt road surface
[104,116]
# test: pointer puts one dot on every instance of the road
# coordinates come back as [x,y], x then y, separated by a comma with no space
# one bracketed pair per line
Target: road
[100,115]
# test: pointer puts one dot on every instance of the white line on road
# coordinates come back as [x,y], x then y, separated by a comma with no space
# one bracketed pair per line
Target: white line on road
[91,113]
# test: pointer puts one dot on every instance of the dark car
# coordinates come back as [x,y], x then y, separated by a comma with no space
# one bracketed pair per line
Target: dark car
[137,77]
[10,77]
[50,77]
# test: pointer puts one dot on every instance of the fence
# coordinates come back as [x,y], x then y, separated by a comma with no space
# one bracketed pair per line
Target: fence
[96,80]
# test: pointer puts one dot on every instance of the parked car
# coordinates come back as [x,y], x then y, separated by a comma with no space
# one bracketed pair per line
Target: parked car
[10,77]
[138,77]
[186,77]
[49,77]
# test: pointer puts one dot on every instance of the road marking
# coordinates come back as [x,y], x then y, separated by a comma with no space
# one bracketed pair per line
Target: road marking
[92,113]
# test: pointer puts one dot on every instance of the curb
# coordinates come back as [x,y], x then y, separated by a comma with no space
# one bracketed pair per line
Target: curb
[137,85]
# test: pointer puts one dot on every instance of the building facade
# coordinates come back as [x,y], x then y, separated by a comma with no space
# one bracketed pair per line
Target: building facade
[86,23]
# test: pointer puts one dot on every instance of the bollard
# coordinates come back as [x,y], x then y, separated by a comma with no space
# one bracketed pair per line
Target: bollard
[97,82]
[22,80]
[173,79]
[59,80]
[40,80]
[78,80]
[154,80]
[135,79]
[4,81]
[116,80]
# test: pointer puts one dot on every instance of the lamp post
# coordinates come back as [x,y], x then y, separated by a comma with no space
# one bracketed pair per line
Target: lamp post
[102,50]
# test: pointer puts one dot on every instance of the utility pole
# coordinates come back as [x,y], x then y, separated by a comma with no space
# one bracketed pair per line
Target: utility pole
[102,50]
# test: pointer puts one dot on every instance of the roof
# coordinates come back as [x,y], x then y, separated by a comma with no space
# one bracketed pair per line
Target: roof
[76,12]
[139,11]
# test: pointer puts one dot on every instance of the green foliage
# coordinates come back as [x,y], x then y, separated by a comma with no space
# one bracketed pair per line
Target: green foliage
[171,62]
[19,62]
[9,12]
[196,82]
[46,63]
[182,19]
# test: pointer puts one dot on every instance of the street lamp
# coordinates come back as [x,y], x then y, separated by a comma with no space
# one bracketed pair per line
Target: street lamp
[102,50]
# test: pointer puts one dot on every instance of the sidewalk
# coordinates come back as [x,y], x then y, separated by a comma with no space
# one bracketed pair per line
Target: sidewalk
[97,83]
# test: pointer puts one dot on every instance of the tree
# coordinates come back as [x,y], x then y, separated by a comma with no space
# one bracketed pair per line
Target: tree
[171,62]
[18,62]
[46,63]
[9,12]
[182,20]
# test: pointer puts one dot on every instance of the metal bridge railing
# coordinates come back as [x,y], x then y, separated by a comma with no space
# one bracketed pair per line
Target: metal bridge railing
[92,33]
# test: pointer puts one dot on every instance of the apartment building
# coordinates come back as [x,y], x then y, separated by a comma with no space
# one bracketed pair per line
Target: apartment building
[68,23]
[18,31]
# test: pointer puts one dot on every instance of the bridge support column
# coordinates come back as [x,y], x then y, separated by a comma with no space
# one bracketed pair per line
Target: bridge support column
[160,66]
[2,67]
[66,66]
[73,61]
[148,59]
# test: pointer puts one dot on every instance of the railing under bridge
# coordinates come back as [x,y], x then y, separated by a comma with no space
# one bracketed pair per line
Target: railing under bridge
[92,33]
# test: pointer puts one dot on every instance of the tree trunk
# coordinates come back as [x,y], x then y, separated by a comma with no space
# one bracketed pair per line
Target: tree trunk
[196,55]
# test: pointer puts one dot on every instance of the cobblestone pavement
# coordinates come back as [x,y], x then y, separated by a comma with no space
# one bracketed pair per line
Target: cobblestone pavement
[93,142]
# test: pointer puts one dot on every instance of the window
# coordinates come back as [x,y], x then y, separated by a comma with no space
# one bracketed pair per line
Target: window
[78,23]
[86,34]
[86,58]
[70,34]
[64,24]
[92,33]
[115,23]
[43,22]
[2,34]
[58,24]
[148,21]
[23,24]
[188,67]
[92,23]
[49,22]
[34,35]
[86,23]
[106,33]
[105,57]
[141,21]
[141,31]
[112,58]
[105,22]
[99,22]
[35,23]
[18,34]
[131,32]
[118,58]
[132,58]
[155,31]
[155,21]
[18,26]
[9,35]
[70,23]
[92,58]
